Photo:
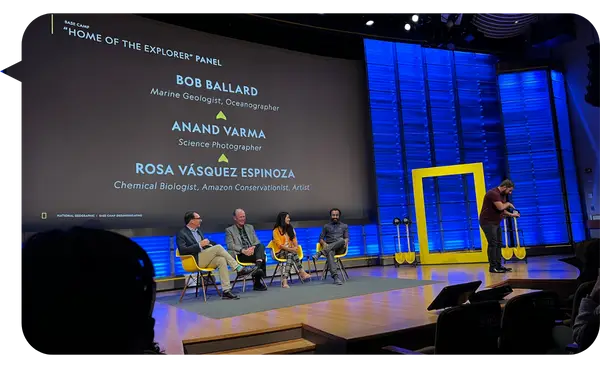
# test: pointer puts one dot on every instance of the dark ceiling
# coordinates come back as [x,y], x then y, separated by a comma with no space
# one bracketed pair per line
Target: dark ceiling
[341,35]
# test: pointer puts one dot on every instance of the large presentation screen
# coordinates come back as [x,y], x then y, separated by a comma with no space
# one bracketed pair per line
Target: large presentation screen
[133,122]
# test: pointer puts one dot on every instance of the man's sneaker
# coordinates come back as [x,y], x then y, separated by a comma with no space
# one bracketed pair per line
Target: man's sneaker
[507,269]
[337,281]
[260,287]
[497,270]
[229,295]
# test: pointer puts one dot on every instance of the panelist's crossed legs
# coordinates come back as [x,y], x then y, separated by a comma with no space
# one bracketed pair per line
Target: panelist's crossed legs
[217,257]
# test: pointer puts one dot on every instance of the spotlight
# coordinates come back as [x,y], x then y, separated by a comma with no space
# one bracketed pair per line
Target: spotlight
[407,27]
[415,18]
[370,23]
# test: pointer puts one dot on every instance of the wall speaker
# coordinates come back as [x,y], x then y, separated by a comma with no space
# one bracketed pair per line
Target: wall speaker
[593,88]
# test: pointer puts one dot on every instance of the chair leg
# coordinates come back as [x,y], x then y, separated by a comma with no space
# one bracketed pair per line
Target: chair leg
[198,275]
[214,283]
[243,278]
[315,264]
[187,281]
[344,269]
[298,274]
[325,269]
[274,272]
[203,287]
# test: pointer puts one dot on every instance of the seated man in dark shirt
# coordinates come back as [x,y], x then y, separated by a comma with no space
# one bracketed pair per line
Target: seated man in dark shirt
[241,239]
[334,240]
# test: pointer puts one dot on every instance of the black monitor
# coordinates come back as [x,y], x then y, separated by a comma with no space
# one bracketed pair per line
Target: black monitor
[493,294]
[454,295]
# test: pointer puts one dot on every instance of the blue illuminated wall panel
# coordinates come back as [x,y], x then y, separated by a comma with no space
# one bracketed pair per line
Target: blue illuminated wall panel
[533,155]
[432,107]
[159,250]
[574,204]
[482,137]
[387,142]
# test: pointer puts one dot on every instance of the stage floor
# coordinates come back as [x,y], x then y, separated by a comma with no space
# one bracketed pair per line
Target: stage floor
[358,316]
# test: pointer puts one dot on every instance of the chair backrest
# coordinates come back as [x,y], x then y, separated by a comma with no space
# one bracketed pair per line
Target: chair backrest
[300,252]
[188,262]
[341,255]
[583,290]
[245,264]
[319,247]
[271,246]
[469,329]
[527,323]
[274,256]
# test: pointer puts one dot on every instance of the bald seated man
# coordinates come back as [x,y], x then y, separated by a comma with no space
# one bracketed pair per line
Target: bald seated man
[242,240]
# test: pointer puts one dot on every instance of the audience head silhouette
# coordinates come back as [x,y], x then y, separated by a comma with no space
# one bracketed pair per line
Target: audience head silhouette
[87,291]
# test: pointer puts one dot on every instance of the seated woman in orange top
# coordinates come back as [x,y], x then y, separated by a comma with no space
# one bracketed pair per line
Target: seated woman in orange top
[286,247]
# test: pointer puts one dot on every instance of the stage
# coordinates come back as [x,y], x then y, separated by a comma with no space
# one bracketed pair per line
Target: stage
[356,318]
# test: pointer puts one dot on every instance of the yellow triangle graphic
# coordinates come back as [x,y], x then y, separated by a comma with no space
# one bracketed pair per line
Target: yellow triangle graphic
[223,158]
[220,115]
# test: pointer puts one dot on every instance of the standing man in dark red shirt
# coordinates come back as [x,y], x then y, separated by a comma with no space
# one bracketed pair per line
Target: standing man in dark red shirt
[494,208]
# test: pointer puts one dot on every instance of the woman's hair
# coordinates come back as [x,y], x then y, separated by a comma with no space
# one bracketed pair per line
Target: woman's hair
[281,225]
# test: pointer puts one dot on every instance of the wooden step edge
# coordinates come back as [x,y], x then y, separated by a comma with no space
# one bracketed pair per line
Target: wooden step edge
[234,335]
[283,347]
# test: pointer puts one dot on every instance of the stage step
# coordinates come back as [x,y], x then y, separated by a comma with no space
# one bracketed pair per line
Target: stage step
[297,346]
[243,340]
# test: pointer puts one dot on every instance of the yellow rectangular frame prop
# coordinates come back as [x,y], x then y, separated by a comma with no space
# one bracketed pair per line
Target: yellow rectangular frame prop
[447,257]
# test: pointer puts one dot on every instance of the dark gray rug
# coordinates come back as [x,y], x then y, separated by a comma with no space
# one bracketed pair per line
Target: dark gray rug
[276,297]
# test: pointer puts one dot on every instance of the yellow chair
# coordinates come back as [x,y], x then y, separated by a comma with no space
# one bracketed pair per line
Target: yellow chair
[337,258]
[188,262]
[281,262]
[244,278]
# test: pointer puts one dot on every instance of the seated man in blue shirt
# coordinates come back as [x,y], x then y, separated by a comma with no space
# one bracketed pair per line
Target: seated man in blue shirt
[334,240]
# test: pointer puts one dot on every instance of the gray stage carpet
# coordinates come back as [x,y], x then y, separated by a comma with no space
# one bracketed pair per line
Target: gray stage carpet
[276,297]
